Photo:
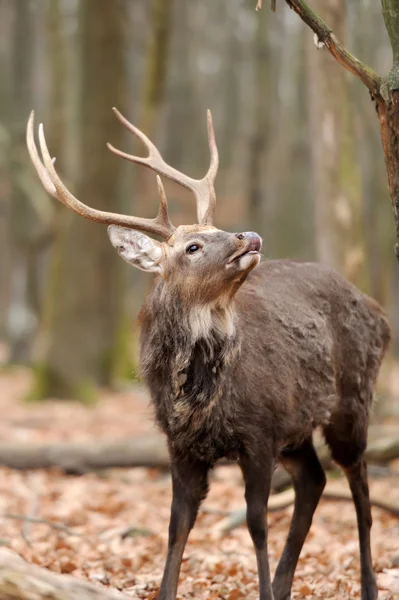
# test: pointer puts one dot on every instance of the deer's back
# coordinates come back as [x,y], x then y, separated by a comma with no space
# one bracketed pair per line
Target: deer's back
[309,339]
[299,298]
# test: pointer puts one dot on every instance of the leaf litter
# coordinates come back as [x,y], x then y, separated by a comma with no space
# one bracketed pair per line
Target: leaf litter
[114,523]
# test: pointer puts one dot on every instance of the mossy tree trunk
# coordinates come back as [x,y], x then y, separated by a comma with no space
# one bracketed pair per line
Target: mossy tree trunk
[84,336]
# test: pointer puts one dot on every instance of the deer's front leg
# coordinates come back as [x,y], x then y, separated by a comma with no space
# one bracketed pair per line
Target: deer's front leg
[257,476]
[190,486]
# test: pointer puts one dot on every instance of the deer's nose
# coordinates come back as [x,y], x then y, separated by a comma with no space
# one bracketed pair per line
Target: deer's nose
[253,238]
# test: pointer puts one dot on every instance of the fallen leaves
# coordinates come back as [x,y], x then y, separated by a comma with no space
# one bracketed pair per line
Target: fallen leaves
[389,580]
[121,517]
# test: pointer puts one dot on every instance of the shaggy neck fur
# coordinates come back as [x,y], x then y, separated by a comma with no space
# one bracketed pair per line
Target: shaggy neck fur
[185,355]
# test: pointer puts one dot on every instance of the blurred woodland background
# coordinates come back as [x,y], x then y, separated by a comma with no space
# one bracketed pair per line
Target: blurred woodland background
[299,143]
[85,489]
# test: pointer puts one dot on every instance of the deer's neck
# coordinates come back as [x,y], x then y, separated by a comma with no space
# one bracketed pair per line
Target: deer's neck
[211,321]
[185,355]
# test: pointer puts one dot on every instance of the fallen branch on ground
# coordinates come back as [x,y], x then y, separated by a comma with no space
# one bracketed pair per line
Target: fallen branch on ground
[151,451]
[38,520]
[286,499]
[79,458]
[20,580]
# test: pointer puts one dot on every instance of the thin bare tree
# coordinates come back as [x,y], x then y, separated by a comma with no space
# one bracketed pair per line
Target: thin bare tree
[384,90]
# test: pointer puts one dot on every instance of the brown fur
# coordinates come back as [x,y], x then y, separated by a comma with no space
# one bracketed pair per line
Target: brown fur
[304,352]
[307,346]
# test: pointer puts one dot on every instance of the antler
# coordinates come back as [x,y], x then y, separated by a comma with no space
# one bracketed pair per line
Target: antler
[53,185]
[203,189]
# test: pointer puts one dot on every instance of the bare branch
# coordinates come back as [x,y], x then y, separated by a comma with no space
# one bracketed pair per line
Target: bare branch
[325,35]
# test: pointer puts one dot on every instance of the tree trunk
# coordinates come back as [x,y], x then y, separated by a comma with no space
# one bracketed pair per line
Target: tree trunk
[5,182]
[23,223]
[153,88]
[179,92]
[365,24]
[83,335]
[154,84]
[260,129]
[388,110]
[336,177]
[155,69]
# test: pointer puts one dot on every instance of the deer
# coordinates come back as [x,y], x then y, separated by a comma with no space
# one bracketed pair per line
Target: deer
[244,359]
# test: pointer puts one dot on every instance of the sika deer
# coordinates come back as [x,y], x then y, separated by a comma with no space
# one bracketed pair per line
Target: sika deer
[245,363]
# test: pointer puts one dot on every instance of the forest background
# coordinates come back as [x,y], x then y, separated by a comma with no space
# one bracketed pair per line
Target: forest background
[84,483]
[299,142]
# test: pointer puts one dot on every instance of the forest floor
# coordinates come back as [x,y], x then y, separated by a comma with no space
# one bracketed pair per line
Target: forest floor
[97,509]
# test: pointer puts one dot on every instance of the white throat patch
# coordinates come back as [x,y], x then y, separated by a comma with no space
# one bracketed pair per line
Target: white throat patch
[204,320]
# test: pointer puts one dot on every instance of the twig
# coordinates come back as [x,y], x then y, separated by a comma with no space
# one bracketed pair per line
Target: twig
[208,510]
[325,35]
[40,521]
[389,507]
[133,532]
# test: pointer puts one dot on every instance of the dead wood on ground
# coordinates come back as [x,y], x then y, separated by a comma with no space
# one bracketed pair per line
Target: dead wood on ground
[286,499]
[150,450]
[20,580]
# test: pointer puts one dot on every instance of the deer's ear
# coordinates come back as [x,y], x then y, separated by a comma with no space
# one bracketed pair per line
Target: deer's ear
[136,248]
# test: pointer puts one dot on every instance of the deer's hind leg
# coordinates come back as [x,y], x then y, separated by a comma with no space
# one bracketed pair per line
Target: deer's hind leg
[347,437]
[309,481]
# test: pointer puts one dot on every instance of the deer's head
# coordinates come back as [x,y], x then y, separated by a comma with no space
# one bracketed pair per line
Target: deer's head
[202,263]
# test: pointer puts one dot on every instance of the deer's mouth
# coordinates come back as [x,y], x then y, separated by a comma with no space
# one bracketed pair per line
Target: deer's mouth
[253,247]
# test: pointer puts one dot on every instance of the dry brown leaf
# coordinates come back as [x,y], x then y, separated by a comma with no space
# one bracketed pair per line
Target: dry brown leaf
[305,590]
[235,595]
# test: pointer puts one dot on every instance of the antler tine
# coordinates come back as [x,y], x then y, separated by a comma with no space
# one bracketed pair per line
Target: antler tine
[35,158]
[204,195]
[54,186]
[210,206]
[163,202]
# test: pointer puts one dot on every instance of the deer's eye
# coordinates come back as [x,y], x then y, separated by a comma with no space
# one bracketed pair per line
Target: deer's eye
[192,248]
